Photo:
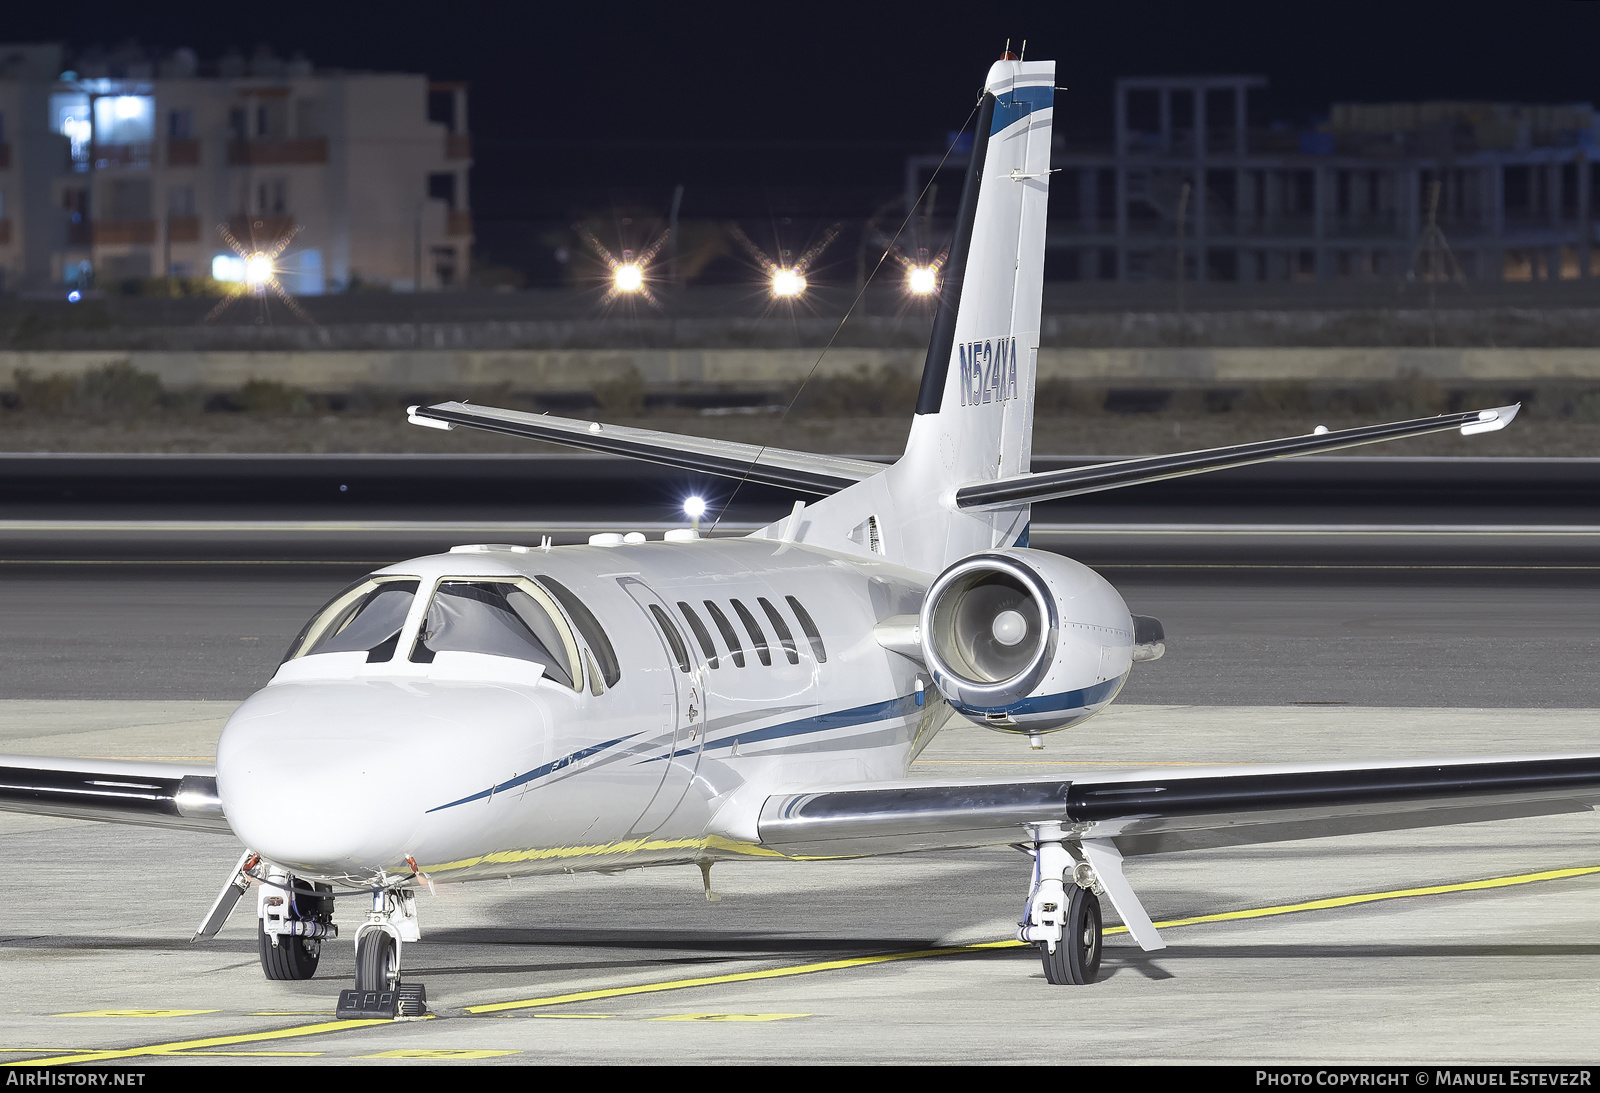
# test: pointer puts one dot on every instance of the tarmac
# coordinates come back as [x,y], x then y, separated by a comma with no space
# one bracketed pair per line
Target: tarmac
[1465,945]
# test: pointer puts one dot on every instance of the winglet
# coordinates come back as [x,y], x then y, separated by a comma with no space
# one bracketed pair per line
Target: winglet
[426,422]
[1490,420]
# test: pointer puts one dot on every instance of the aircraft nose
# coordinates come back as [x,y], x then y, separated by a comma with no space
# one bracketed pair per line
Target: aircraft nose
[315,778]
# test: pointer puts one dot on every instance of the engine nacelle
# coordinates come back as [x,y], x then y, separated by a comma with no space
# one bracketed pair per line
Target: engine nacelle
[1026,641]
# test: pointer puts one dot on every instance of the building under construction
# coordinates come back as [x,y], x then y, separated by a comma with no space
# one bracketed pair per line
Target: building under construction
[1188,182]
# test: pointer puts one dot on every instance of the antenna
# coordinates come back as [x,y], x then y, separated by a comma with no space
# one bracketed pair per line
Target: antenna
[1024,52]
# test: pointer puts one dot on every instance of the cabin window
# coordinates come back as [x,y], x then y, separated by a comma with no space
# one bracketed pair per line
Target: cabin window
[680,652]
[589,626]
[701,634]
[757,638]
[782,629]
[510,618]
[810,627]
[729,634]
[364,618]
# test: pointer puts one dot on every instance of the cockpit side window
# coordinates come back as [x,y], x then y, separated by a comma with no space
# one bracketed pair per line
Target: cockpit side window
[364,618]
[589,627]
[504,618]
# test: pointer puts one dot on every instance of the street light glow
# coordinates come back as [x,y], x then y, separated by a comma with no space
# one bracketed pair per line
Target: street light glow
[921,280]
[257,270]
[787,283]
[628,277]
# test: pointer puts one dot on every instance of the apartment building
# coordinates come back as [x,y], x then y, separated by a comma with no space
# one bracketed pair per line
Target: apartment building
[129,167]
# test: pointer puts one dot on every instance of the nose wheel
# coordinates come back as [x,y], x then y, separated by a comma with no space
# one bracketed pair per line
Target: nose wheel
[377,962]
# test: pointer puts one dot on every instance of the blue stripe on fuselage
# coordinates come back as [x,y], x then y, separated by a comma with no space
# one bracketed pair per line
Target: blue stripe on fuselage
[822,722]
[538,772]
[1019,102]
[1066,700]
[903,706]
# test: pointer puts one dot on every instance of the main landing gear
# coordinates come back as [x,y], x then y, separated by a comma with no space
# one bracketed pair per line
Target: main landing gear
[293,919]
[1064,920]
[379,992]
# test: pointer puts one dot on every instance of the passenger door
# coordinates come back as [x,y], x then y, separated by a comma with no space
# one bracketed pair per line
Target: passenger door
[682,708]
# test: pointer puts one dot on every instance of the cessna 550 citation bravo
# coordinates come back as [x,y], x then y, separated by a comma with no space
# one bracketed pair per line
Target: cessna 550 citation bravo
[628,703]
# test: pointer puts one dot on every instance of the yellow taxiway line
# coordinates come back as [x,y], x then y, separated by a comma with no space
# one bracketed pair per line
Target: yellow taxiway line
[198,1046]
[178,1046]
[960,950]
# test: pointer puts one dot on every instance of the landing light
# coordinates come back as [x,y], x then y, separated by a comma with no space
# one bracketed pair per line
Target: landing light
[788,283]
[628,277]
[257,270]
[921,280]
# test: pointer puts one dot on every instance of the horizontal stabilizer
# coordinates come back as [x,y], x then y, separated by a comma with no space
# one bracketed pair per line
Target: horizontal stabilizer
[1051,485]
[802,471]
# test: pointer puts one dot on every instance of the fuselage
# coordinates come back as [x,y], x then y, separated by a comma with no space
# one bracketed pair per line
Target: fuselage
[684,683]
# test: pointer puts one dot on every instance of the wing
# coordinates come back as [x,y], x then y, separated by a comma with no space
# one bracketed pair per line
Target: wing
[821,474]
[116,791]
[1153,812]
[1051,485]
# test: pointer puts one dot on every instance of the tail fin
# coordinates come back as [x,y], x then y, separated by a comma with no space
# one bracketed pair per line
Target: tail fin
[974,419]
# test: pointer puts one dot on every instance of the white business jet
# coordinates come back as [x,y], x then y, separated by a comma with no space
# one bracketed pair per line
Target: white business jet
[629,703]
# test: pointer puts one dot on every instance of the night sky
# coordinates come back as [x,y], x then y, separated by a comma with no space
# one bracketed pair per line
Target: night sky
[809,109]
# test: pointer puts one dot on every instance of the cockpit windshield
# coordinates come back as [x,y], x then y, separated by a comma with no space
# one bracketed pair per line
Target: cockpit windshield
[365,618]
[503,618]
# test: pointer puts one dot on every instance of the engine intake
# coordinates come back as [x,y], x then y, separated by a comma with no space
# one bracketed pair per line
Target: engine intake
[1026,641]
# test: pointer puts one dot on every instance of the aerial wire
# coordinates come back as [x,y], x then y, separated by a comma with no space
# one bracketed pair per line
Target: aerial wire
[910,212]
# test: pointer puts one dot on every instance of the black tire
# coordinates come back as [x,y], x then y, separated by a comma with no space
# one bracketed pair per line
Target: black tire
[290,958]
[376,966]
[1076,960]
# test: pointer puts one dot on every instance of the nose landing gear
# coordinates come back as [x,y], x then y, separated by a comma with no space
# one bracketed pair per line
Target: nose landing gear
[379,993]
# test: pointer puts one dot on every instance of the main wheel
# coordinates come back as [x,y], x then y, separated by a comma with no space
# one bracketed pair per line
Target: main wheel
[376,966]
[1077,957]
[290,958]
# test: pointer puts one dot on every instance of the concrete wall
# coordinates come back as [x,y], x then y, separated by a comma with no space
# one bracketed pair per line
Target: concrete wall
[553,371]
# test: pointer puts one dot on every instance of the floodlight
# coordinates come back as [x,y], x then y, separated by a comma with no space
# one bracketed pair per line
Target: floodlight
[788,283]
[628,277]
[257,270]
[694,507]
[921,280]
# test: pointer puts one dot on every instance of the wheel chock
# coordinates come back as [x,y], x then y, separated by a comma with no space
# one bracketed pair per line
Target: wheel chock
[406,1000]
